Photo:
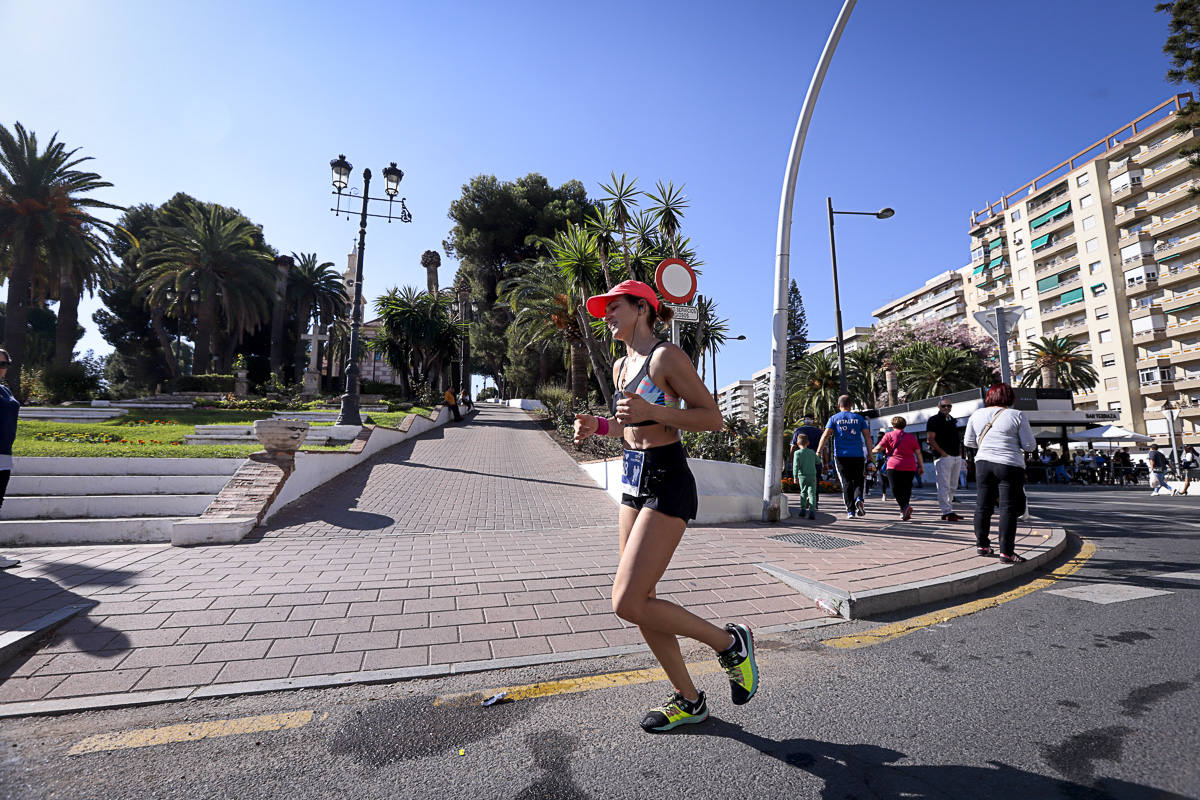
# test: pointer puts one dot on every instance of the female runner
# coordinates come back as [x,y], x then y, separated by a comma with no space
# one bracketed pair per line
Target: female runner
[660,497]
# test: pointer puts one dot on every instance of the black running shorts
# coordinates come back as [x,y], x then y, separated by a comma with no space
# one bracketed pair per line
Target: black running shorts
[667,484]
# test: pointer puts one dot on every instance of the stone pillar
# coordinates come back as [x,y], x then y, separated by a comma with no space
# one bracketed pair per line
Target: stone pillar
[240,384]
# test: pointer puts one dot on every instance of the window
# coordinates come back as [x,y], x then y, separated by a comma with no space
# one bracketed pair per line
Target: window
[1112,383]
[1105,336]
[1025,293]
[1108,360]
[1083,180]
[1089,223]
[1099,289]
[1016,215]
[1028,313]
[1115,406]
[1102,313]
[1093,267]
[1092,245]
[1085,201]
[1023,275]
[1020,254]
[977,254]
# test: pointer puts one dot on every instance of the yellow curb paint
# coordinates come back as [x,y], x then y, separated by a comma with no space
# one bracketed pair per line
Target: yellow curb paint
[897,629]
[571,685]
[190,732]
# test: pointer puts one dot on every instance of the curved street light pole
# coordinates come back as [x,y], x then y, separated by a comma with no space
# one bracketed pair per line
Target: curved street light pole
[883,213]
[773,474]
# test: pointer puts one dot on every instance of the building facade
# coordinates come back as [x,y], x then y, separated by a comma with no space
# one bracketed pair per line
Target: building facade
[737,400]
[943,298]
[1104,249]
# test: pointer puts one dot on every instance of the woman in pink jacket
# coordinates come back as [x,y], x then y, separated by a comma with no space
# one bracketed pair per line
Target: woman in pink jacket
[904,461]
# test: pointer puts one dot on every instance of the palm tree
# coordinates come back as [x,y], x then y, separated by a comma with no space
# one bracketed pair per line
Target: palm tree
[44,223]
[1060,362]
[314,290]
[545,306]
[621,199]
[862,375]
[668,208]
[418,333]
[928,370]
[216,252]
[599,223]
[813,387]
[74,277]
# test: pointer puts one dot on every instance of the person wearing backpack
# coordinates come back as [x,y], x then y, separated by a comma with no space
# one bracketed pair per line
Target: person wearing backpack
[1000,436]
[904,461]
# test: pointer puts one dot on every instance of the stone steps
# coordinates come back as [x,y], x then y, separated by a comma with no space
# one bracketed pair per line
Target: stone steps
[244,434]
[39,532]
[55,485]
[96,506]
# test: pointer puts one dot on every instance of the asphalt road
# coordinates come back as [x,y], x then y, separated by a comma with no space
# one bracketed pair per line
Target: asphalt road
[1046,696]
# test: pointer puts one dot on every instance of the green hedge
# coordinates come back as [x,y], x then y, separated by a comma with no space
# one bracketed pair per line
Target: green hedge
[205,383]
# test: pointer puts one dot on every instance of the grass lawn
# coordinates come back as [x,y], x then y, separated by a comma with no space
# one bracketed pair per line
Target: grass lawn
[157,435]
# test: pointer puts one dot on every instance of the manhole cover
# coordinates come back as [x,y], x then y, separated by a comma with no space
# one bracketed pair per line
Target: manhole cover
[816,541]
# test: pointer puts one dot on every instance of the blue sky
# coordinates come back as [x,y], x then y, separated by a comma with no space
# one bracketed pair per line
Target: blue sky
[932,107]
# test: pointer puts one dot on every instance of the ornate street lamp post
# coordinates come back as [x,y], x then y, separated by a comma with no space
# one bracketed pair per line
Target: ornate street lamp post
[392,175]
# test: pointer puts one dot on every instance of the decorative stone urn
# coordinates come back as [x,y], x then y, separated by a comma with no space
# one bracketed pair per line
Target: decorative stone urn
[240,385]
[281,435]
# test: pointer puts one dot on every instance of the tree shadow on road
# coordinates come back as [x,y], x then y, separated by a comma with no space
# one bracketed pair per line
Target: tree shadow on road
[866,770]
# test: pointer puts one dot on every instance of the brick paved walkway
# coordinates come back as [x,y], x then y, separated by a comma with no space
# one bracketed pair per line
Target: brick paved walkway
[466,548]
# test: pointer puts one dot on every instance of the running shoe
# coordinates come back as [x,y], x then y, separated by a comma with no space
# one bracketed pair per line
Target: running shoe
[849,515]
[674,712]
[859,508]
[907,513]
[739,664]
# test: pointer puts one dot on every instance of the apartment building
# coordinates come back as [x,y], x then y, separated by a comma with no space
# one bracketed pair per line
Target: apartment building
[737,400]
[1105,249]
[943,297]
[852,339]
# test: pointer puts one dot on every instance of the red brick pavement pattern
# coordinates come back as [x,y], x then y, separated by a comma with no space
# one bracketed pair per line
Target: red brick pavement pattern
[352,579]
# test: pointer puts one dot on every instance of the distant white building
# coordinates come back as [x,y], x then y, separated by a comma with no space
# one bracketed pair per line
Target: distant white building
[737,400]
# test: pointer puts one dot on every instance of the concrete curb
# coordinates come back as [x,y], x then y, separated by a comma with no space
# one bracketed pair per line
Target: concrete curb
[13,643]
[102,702]
[858,605]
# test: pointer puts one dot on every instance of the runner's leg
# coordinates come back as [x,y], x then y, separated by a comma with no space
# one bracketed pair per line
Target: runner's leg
[648,542]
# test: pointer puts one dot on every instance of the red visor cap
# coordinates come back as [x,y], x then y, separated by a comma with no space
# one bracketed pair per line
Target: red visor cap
[598,304]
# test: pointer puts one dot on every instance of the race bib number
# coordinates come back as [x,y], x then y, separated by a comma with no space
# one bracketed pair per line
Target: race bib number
[632,462]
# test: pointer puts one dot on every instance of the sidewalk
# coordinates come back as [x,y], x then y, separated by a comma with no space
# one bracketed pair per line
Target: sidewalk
[474,547]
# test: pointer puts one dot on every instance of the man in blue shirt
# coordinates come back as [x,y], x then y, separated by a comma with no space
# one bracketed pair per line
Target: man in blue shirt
[851,443]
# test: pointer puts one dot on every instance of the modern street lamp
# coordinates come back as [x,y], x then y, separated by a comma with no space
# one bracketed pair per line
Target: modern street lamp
[392,175]
[882,213]
[740,338]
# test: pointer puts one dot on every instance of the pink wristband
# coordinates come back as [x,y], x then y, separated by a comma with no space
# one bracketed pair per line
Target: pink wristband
[602,426]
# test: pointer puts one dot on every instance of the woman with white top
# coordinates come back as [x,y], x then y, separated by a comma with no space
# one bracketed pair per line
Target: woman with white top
[1000,436]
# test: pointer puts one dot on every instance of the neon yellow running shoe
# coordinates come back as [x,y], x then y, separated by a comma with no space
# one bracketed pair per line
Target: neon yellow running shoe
[739,664]
[675,712]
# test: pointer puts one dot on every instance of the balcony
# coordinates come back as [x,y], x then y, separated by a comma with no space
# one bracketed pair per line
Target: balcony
[1058,312]
[994,291]
[1154,360]
[1166,198]
[1071,328]
[1188,411]
[1076,278]
[1144,309]
[1118,167]
[1053,247]
[1170,274]
[1158,177]
[1045,202]
[1191,326]
[1188,383]
[1186,355]
[1150,388]
[1181,300]
[1175,221]
[951,311]
[1128,190]
[1140,260]
[1152,335]
[1056,265]
[1185,244]
[1128,215]
[1064,221]
[1163,146]
[1135,286]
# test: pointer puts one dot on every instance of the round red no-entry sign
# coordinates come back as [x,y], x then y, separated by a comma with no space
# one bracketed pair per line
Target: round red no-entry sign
[675,280]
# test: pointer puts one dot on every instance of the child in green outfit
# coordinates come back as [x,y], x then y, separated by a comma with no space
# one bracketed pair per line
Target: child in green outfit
[804,469]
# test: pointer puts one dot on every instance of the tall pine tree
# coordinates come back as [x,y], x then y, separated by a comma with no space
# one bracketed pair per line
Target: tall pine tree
[797,327]
[1183,46]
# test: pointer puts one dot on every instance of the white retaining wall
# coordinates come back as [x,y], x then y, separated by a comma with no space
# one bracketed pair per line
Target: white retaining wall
[728,492]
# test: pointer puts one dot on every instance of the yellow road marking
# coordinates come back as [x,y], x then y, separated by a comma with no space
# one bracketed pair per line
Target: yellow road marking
[897,629]
[571,685]
[148,737]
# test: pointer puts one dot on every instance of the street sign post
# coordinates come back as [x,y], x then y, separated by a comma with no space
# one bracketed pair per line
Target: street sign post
[685,313]
[999,322]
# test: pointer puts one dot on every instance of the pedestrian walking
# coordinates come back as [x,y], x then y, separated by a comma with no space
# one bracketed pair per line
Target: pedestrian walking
[851,437]
[452,403]
[464,400]
[660,497]
[10,409]
[1158,472]
[945,441]
[1189,462]
[1000,436]
[804,469]
[904,461]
